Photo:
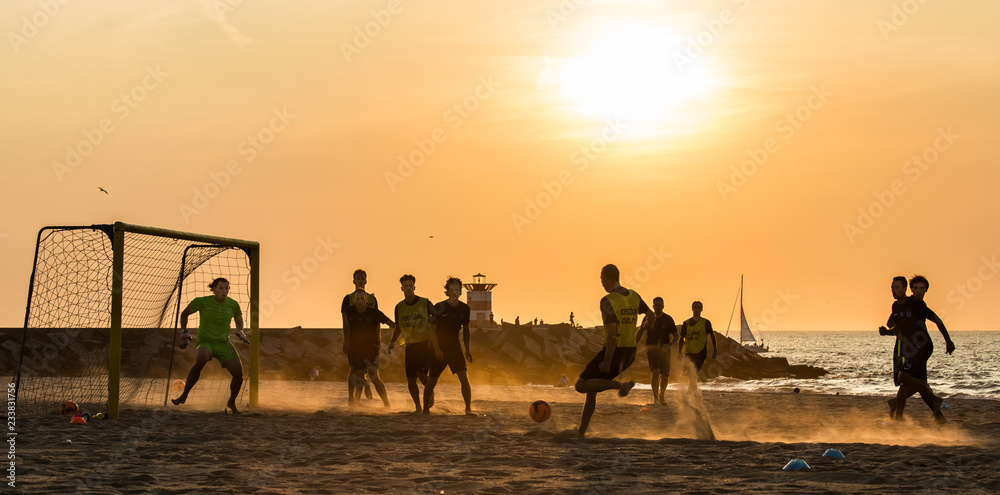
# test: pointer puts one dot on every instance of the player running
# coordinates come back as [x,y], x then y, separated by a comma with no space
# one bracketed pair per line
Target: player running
[214,314]
[659,338]
[412,314]
[447,319]
[914,347]
[695,332]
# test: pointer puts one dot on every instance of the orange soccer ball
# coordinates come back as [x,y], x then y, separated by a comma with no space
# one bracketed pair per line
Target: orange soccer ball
[70,407]
[540,410]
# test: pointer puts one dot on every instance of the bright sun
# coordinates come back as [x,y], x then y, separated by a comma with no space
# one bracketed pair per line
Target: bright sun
[630,73]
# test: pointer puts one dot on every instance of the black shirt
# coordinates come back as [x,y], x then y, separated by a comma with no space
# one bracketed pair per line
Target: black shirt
[663,327]
[449,319]
[365,326]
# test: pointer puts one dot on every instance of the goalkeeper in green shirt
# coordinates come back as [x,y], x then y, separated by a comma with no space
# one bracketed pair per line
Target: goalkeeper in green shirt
[215,312]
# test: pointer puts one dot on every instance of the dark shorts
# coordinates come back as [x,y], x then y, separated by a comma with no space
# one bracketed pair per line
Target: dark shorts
[453,358]
[914,363]
[418,358]
[620,361]
[362,359]
[659,358]
[698,359]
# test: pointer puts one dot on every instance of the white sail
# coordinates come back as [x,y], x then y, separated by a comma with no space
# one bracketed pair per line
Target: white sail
[745,334]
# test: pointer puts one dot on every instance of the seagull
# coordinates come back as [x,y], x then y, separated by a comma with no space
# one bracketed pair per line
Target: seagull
[102,189]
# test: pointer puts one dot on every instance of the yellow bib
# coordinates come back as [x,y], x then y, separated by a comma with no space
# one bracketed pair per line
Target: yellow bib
[696,338]
[412,321]
[627,310]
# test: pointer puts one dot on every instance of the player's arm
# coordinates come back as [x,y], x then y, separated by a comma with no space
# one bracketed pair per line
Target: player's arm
[185,336]
[681,337]
[395,331]
[238,320]
[949,346]
[715,346]
[385,320]
[184,317]
[671,331]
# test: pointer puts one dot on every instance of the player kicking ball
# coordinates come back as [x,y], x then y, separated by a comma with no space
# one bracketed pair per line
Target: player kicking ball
[214,314]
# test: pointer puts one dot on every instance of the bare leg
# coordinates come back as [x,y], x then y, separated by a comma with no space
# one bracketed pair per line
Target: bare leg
[429,394]
[203,356]
[663,386]
[350,388]
[411,384]
[235,368]
[654,385]
[463,378]
[595,385]
[933,401]
[379,386]
[588,410]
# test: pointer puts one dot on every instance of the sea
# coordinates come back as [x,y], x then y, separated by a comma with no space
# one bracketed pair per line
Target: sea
[860,363]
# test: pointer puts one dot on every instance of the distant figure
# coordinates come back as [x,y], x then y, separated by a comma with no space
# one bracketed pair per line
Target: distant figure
[913,346]
[694,338]
[563,381]
[214,314]
[661,335]
[360,279]
[412,323]
[449,318]
[314,373]
[491,318]
[517,320]
[535,321]
[541,322]
[619,310]
[571,319]
[363,342]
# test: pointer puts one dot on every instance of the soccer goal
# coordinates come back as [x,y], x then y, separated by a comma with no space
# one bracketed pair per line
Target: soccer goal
[103,314]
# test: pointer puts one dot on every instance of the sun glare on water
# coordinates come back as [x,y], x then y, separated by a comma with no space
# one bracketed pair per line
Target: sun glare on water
[630,72]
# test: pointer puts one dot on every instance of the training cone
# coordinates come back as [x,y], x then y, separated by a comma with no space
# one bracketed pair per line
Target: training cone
[835,453]
[78,419]
[795,465]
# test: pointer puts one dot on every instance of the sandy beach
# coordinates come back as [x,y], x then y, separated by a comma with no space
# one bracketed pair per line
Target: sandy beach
[307,441]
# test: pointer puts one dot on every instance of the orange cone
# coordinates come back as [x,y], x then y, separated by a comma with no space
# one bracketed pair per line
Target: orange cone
[78,419]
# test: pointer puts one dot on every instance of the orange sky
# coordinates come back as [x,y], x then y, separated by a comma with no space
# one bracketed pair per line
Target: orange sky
[544,140]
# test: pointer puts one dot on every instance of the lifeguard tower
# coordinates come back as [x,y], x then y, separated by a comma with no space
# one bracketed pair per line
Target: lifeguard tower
[480,300]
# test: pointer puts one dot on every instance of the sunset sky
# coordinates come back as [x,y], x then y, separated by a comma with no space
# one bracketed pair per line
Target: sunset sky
[817,148]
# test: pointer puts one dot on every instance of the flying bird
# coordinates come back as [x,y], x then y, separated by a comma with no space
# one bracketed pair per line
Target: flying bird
[102,190]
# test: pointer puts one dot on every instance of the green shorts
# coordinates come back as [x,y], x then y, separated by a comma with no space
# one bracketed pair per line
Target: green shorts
[223,351]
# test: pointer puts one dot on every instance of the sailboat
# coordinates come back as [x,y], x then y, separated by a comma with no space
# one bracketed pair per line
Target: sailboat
[747,339]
